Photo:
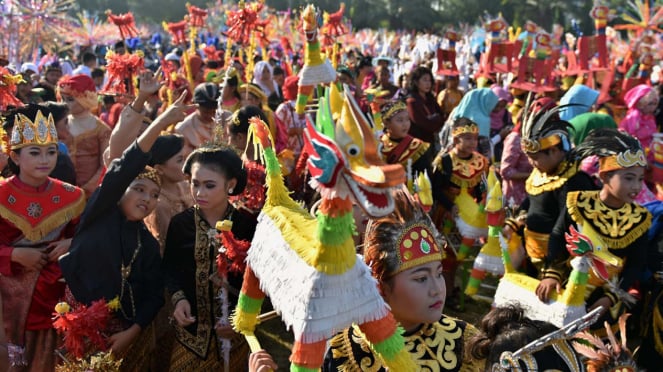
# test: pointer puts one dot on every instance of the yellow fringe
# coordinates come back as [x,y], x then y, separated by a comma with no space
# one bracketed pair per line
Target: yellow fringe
[538,183]
[299,230]
[46,225]
[243,322]
[402,362]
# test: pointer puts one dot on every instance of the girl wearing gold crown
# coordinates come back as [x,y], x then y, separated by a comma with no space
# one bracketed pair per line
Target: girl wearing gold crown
[113,255]
[610,221]
[39,215]
[459,188]
[404,252]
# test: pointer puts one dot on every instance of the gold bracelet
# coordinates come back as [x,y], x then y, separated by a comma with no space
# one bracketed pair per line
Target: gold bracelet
[177,297]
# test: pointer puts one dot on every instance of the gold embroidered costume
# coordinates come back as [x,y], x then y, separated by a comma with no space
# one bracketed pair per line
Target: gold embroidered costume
[539,182]
[434,347]
[618,228]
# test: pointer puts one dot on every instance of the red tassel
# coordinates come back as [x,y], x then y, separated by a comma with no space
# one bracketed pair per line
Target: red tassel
[82,328]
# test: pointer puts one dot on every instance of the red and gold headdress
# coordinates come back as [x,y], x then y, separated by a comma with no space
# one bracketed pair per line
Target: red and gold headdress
[81,87]
[417,246]
[8,83]
[28,132]
[402,240]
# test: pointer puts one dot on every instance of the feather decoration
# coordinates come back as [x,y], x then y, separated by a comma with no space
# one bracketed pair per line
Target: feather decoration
[611,356]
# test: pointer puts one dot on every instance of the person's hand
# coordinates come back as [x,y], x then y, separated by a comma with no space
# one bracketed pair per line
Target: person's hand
[30,258]
[261,361]
[58,248]
[545,288]
[149,83]
[182,314]
[175,112]
[507,232]
[224,330]
[604,301]
[119,342]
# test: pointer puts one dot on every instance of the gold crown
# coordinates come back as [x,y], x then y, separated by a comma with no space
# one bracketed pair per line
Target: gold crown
[626,159]
[40,132]
[470,128]
[393,110]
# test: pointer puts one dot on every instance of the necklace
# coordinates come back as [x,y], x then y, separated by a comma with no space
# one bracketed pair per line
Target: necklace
[125,271]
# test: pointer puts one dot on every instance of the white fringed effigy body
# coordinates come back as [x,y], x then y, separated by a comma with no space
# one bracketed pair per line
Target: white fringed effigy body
[316,305]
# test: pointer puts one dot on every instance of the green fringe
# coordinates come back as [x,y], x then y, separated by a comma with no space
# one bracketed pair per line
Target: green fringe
[296,368]
[578,277]
[389,348]
[494,231]
[335,230]
[272,166]
[249,304]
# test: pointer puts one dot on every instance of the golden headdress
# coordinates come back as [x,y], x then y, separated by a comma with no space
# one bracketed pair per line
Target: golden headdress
[543,129]
[151,174]
[33,125]
[615,149]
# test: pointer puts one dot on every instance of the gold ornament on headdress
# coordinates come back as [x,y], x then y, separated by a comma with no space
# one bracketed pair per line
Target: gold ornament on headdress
[535,145]
[626,159]
[151,174]
[40,132]
[393,110]
[470,128]
[417,246]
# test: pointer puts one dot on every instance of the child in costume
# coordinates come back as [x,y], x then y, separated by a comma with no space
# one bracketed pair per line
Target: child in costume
[450,96]
[404,251]
[545,140]
[89,135]
[642,102]
[506,330]
[399,147]
[190,268]
[113,255]
[609,218]
[459,189]
[39,215]
[514,165]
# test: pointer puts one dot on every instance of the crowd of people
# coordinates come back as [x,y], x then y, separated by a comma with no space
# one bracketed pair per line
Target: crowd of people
[130,195]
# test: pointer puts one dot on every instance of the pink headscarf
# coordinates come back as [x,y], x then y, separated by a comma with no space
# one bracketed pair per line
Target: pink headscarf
[635,94]
[636,123]
[497,117]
